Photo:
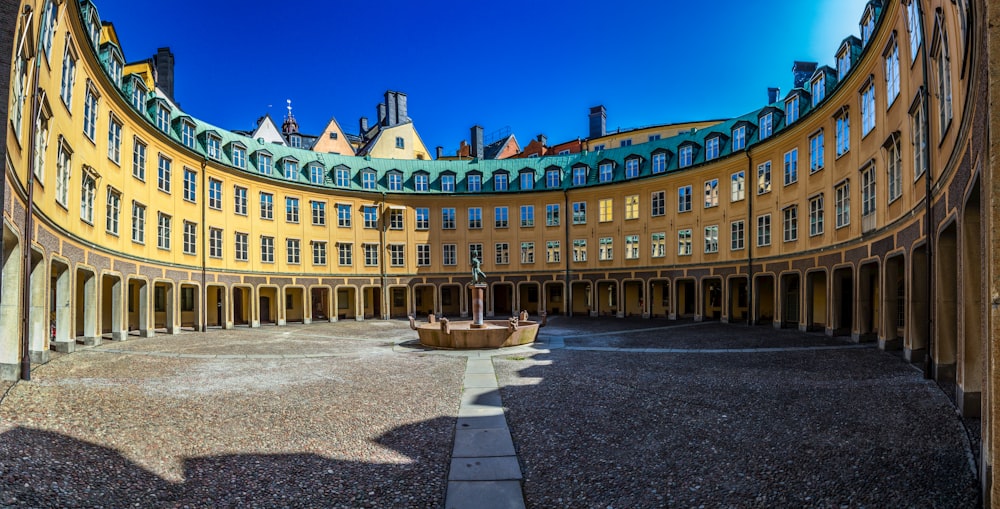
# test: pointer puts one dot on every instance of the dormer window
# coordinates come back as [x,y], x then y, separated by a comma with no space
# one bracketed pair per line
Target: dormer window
[212,143]
[739,138]
[659,162]
[606,172]
[712,148]
[368,180]
[342,176]
[421,182]
[766,125]
[295,141]
[818,88]
[49,27]
[240,156]
[632,168]
[867,25]
[552,178]
[290,167]
[527,180]
[163,118]
[448,183]
[264,163]
[579,176]
[791,110]
[187,134]
[843,61]
[395,181]
[474,183]
[317,174]
[500,182]
[686,156]
[94,26]
[115,66]
[138,94]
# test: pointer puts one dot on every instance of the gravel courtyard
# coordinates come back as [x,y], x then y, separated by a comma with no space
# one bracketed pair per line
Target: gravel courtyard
[603,413]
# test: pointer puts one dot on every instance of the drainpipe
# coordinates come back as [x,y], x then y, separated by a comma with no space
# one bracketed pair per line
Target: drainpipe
[567,217]
[204,247]
[748,190]
[929,209]
[29,216]
[381,259]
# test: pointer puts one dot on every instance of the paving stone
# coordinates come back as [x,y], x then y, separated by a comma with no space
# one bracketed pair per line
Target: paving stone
[484,495]
[481,422]
[474,443]
[483,396]
[479,367]
[502,468]
[489,380]
[479,411]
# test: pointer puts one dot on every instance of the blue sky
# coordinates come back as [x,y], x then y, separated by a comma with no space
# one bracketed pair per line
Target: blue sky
[536,67]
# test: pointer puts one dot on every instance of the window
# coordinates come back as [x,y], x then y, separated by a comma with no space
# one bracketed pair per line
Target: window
[115,140]
[214,193]
[368,180]
[598,148]
[791,166]
[580,176]
[318,212]
[894,170]
[816,215]
[842,201]
[552,254]
[240,200]
[502,253]
[187,134]
[736,235]
[658,203]
[138,223]
[400,143]
[606,172]
[792,109]
[605,210]
[190,185]
[421,182]
[113,211]
[686,156]
[625,143]
[423,255]
[653,137]
[684,247]
[395,181]
[239,157]
[552,179]
[659,245]
[914,26]
[291,171]
[342,177]
[527,252]
[500,182]
[48,27]
[395,219]
[64,169]
[163,174]
[712,239]
[867,27]
[632,207]
[162,230]
[712,193]
[892,73]
[790,216]
[138,94]
[605,249]
[190,238]
[19,85]
[631,168]
[241,249]
[138,159]
[764,178]
[843,62]
[552,214]
[684,199]
[816,149]
[475,218]
[291,210]
[88,190]
[767,125]
[580,250]
[449,255]
[764,230]
[942,60]
[918,137]
[739,138]
[266,206]
[295,141]
[448,218]
[423,215]
[90,113]
[215,242]
[527,216]
[659,162]
[818,89]
[474,183]
[68,74]
[369,215]
[500,217]
[631,247]
[213,144]
[843,133]
[476,251]
[163,118]
[371,255]
[292,251]
[527,181]
[264,164]
[737,186]
[580,212]
[712,148]
[267,249]
[868,191]
[343,215]
[867,109]
[344,253]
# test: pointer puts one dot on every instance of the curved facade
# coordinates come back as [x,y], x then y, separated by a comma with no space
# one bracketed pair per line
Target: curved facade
[853,205]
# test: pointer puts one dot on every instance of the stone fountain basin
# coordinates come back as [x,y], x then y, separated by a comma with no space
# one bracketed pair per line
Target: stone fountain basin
[493,334]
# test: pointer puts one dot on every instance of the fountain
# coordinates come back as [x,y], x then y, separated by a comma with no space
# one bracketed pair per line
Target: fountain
[477,333]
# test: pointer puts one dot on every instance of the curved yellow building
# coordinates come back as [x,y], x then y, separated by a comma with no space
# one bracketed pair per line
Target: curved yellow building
[858,204]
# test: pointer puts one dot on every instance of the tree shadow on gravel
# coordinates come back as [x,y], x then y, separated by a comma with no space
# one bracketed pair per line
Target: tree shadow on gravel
[41,469]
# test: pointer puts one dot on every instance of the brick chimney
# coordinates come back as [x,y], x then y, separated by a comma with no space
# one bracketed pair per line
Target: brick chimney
[802,71]
[477,142]
[542,139]
[163,61]
[363,125]
[401,108]
[440,152]
[772,95]
[380,108]
[390,108]
[598,121]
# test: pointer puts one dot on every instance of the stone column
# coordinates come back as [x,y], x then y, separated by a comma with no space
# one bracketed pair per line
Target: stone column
[478,291]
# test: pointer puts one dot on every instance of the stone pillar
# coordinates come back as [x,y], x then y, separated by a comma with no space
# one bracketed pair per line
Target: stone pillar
[477,305]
